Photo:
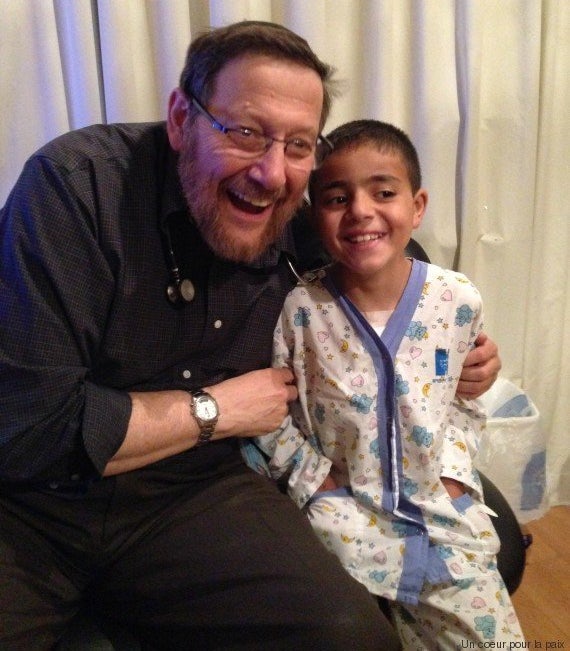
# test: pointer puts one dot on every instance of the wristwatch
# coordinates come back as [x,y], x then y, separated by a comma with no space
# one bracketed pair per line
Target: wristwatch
[205,410]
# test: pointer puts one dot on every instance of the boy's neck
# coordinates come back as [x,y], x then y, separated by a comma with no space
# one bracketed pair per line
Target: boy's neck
[382,291]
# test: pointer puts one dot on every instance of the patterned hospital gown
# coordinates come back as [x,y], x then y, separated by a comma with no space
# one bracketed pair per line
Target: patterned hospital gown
[381,416]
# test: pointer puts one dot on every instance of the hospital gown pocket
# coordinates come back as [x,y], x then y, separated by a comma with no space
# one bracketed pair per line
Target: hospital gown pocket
[339,523]
[475,534]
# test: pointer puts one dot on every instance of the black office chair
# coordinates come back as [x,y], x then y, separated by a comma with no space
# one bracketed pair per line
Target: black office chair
[511,558]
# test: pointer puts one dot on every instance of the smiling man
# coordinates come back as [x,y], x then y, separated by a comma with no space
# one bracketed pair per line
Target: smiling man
[121,472]
[142,272]
[242,185]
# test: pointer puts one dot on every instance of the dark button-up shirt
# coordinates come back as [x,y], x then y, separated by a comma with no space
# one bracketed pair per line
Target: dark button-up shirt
[84,317]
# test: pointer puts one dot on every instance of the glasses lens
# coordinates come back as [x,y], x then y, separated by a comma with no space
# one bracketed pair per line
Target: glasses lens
[299,149]
[248,140]
[323,149]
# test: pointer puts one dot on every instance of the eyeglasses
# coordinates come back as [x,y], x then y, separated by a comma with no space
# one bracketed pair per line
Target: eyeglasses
[253,142]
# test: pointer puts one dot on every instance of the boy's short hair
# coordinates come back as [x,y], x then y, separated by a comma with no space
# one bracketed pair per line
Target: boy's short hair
[383,136]
[212,50]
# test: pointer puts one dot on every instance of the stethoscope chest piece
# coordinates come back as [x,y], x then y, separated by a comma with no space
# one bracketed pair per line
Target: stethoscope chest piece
[181,290]
[187,290]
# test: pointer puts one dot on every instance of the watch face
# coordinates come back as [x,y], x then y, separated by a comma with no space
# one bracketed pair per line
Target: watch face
[205,408]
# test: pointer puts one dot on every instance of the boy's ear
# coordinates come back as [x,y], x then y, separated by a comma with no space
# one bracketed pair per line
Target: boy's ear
[420,206]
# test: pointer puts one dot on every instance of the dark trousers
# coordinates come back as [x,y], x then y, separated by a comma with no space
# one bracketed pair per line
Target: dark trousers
[221,560]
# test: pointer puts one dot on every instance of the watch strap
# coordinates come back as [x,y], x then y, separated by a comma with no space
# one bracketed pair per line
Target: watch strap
[206,427]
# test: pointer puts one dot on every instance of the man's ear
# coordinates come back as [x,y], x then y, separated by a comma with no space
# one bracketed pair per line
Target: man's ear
[420,206]
[177,112]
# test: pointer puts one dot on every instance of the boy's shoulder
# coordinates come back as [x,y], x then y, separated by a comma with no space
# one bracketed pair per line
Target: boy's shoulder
[435,273]
[451,282]
[312,288]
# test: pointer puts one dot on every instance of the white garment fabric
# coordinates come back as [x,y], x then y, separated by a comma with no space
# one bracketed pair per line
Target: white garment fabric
[381,417]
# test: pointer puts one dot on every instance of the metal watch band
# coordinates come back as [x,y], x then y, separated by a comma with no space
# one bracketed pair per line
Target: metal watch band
[205,434]
[206,427]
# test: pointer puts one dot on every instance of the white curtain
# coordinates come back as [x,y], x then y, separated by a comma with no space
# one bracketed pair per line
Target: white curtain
[482,87]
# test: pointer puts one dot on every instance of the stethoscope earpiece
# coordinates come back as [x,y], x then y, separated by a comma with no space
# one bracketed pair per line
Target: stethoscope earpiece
[309,276]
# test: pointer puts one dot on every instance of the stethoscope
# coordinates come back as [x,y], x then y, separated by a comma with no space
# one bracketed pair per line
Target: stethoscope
[181,290]
[308,277]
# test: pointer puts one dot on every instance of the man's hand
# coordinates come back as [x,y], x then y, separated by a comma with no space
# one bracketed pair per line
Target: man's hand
[162,425]
[254,403]
[480,370]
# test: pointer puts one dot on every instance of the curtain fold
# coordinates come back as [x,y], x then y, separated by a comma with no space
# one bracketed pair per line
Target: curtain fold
[31,84]
[500,128]
[481,86]
[546,362]
[78,42]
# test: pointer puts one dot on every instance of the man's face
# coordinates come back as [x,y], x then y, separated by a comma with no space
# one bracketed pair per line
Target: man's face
[239,201]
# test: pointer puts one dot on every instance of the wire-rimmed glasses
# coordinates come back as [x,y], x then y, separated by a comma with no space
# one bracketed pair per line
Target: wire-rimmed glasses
[256,143]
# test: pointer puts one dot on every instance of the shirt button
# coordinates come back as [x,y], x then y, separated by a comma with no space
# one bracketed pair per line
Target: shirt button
[217,324]
[186,374]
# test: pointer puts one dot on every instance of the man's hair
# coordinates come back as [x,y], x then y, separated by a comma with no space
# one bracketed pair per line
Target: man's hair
[381,135]
[210,51]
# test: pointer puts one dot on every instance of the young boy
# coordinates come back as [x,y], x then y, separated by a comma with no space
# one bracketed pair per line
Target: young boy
[378,449]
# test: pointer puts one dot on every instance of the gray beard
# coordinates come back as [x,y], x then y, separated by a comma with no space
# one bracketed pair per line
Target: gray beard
[211,227]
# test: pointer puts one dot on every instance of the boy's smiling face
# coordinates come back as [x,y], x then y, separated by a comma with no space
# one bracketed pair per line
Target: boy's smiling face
[365,210]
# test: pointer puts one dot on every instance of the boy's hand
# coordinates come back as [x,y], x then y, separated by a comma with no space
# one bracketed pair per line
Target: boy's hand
[328,485]
[453,487]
